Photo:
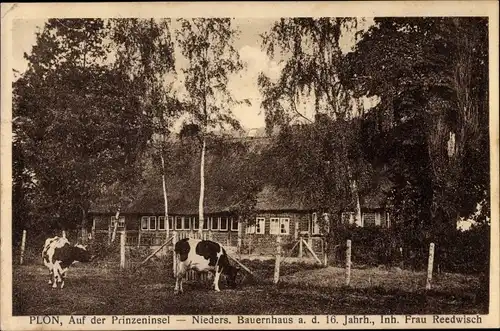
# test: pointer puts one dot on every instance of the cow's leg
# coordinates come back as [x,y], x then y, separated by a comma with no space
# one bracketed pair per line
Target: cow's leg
[57,274]
[218,271]
[63,276]
[51,275]
[181,272]
[50,267]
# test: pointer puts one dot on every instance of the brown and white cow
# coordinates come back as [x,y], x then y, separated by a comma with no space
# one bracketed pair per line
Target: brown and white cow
[58,255]
[203,256]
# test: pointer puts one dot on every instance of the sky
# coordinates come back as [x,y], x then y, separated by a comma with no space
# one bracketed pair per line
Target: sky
[243,85]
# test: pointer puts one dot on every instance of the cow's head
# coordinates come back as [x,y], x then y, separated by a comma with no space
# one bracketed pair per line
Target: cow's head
[82,254]
[231,273]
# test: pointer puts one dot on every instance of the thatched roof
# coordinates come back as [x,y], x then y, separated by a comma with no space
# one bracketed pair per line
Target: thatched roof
[227,182]
[271,198]
[268,199]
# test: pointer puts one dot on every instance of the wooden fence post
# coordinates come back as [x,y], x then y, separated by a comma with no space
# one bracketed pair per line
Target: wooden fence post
[93,228]
[115,228]
[277,261]
[301,248]
[23,245]
[296,230]
[84,236]
[122,249]
[174,241]
[139,233]
[430,266]
[348,264]
[325,253]
[109,235]
[240,230]
[167,226]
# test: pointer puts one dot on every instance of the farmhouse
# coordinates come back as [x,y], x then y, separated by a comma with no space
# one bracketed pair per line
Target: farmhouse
[277,212]
[229,167]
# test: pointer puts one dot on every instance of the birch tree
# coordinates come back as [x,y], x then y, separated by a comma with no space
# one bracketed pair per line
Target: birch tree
[207,45]
[146,52]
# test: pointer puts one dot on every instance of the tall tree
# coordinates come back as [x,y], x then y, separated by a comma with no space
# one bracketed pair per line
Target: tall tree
[146,52]
[312,68]
[207,44]
[75,116]
[432,79]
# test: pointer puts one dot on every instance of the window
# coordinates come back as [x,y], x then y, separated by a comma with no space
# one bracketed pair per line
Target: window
[187,223]
[224,223]
[121,222]
[326,222]
[215,223]
[234,224]
[274,226]
[261,225]
[196,223]
[258,227]
[284,226]
[152,223]
[315,226]
[144,222]
[161,222]
[279,226]
[148,223]
[162,225]
[347,217]
[368,219]
[178,223]
[206,223]
[250,229]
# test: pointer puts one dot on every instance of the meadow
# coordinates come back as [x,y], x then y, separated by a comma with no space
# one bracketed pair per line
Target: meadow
[104,289]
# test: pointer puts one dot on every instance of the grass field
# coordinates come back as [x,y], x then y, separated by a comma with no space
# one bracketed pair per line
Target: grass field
[95,289]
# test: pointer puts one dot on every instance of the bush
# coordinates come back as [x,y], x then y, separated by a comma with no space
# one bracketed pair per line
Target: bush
[455,251]
[465,251]
[370,246]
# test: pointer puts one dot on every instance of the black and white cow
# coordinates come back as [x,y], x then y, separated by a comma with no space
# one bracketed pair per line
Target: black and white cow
[203,256]
[58,255]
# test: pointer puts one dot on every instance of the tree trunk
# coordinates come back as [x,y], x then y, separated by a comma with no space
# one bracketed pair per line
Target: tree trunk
[113,236]
[358,204]
[355,192]
[84,226]
[165,198]
[202,188]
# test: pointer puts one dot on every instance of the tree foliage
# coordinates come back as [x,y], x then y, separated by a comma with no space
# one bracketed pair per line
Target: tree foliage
[321,158]
[207,44]
[145,51]
[312,55]
[432,120]
[76,125]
